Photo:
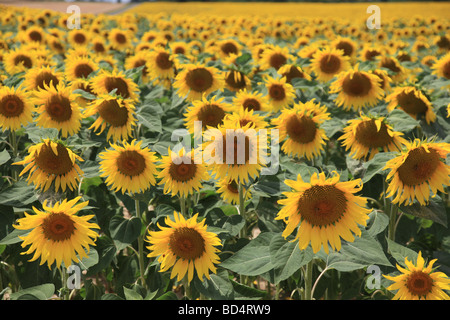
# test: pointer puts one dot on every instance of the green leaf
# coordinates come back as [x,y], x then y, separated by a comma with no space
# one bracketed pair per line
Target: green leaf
[124,231]
[399,252]
[168,296]
[401,121]
[41,292]
[253,259]
[243,292]
[85,94]
[130,294]
[378,222]
[376,165]
[218,287]
[13,237]
[18,195]
[434,210]
[150,120]
[4,157]
[287,258]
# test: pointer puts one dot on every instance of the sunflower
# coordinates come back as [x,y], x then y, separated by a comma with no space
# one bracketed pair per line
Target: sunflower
[233,151]
[442,67]
[397,72]
[366,136]
[228,189]
[347,45]
[182,172]
[57,234]
[412,101]
[138,60]
[419,281]
[107,81]
[79,37]
[38,77]
[227,47]
[18,60]
[120,39]
[32,34]
[251,100]
[185,245]
[179,48]
[237,81]
[324,210]
[57,109]
[245,116]
[210,112]
[80,67]
[196,80]
[161,63]
[385,80]
[115,112]
[416,170]
[85,85]
[15,108]
[128,168]
[275,57]
[280,93]
[299,129]
[290,71]
[357,89]
[329,62]
[52,162]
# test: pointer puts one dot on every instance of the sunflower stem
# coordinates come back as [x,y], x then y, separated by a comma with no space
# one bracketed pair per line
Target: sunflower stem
[308,280]
[183,206]
[392,222]
[242,208]
[140,247]
[64,289]
[13,143]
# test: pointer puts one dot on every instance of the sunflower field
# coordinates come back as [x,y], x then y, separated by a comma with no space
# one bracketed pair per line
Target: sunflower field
[150,155]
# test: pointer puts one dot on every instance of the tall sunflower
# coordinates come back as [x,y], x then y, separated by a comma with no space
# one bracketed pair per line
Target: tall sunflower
[366,136]
[51,162]
[280,93]
[328,62]
[357,89]
[323,211]
[419,168]
[412,101]
[58,235]
[419,281]
[16,110]
[299,129]
[196,80]
[128,167]
[57,109]
[186,246]
[182,173]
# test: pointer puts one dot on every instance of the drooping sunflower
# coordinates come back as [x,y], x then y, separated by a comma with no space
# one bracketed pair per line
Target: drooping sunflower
[51,162]
[442,67]
[106,81]
[419,281]
[58,235]
[366,136]
[115,112]
[56,108]
[329,62]
[280,93]
[323,211]
[299,129]
[37,77]
[237,81]
[385,80]
[80,67]
[18,60]
[128,167]
[183,172]
[412,101]
[234,151]
[290,71]
[357,89]
[251,100]
[186,246]
[196,80]
[419,168]
[228,189]
[397,72]
[347,45]
[16,110]
[210,112]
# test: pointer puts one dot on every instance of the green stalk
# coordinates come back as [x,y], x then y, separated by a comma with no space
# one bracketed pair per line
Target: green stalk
[242,208]
[183,207]
[64,290]
[140,248]
[13,143]
[392,222]
[308,280]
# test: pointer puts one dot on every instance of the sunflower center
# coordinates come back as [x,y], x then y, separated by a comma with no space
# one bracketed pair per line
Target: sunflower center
[371,54]
[199,79]
[369,136]
[277,60]
[140,63]
[45,78]
[252,104]
[35,36]
[330,63]
[79,38]
[419,166]
[229,48]
[302,130]
[112,83]
[231,80]
[238,146]
[211,115]
[390,64]
[131,163]
[277,92]
[11,106]
[233,187]
[58,227]
[51,163]
[120,38]
[99,47]
[83,70]
[187,243]
[411,104]
[446,70]
[357,86]
[183,171]
[179,50]
[113,113]
[293,73]
[23,59]
[163,61]
[346,47]
[322,205]
[419,283]
[59,108]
